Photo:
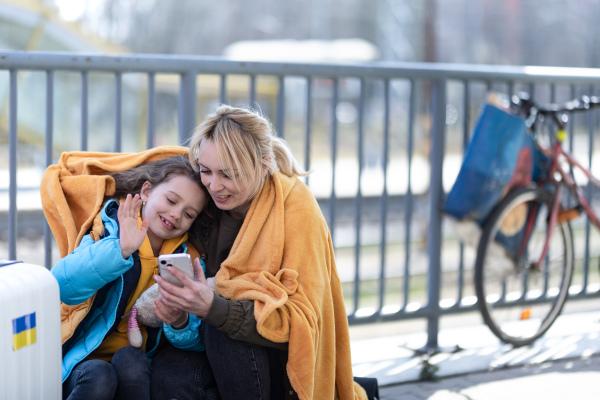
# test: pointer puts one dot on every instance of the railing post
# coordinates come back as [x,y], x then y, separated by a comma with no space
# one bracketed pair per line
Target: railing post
[223,90]
[358,197]
[49,158]
[187,105]
[118,112]
[333,138]
[436,193]
[151,129]
[12,167]
[85,76]
[280,111]
[384,195]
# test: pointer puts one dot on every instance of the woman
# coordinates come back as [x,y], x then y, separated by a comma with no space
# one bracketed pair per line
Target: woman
[275,325]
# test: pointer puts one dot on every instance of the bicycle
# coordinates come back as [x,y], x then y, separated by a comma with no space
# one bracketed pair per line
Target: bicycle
[525,257]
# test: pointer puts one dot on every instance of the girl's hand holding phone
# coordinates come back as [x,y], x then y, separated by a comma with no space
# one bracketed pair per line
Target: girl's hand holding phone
[176,318]
[131,237]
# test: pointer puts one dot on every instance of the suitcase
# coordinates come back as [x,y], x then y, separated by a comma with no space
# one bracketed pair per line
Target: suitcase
[30,345]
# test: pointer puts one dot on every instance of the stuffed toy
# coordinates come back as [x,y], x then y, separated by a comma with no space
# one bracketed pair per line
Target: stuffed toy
[143,313]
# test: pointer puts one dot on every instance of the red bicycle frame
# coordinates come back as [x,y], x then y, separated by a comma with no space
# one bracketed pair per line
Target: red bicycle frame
[556,211]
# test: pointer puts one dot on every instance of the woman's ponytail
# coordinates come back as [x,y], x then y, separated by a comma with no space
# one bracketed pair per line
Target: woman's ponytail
[286,163]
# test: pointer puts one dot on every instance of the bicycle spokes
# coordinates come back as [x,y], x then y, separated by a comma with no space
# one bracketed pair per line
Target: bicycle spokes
[521,292]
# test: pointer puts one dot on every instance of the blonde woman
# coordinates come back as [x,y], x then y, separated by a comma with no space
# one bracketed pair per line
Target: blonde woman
[274,325]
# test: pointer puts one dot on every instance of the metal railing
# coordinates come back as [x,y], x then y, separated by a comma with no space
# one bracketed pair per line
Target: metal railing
[400,129]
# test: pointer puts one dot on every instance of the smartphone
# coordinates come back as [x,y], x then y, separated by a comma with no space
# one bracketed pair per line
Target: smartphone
[181,261]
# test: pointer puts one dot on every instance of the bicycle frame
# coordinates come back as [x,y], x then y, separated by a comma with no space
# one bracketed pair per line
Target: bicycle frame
[557,154]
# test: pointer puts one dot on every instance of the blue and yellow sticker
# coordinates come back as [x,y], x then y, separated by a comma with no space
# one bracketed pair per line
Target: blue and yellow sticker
[24,331]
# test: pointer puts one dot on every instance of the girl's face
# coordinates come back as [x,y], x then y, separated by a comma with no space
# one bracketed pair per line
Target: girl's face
[171,207]
[218,181]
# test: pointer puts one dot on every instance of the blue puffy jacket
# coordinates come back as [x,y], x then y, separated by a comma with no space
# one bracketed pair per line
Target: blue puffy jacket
[99,268]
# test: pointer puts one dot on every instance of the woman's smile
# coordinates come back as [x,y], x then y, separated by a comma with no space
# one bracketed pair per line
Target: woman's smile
[217,179]
[220,198]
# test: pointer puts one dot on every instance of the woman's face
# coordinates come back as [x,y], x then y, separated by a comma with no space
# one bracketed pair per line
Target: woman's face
[171,207]
[218,181]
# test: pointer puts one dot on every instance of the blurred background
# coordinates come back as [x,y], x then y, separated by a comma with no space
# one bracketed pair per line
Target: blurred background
[499,32]
[496,32]
[556,33]
[506,32]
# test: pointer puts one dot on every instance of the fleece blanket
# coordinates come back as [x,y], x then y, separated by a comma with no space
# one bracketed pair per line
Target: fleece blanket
[73,190]
[72,194]
[283,259]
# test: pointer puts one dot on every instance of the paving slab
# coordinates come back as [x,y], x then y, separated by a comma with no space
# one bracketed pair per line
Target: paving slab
[565,359]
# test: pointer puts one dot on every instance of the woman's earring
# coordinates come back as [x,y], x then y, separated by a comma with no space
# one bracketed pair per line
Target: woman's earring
[143,203]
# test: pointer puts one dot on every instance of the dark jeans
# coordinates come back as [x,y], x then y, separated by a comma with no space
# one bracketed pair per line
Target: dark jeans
[241,371]
[182,375]
[126,377]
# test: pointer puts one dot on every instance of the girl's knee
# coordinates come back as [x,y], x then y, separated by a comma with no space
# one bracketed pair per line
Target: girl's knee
[131,363]
[129,355]
[95,379]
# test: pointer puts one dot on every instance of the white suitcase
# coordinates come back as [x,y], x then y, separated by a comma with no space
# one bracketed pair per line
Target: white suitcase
[30,348]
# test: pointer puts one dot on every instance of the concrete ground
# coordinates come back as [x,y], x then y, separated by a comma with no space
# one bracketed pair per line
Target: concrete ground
[563,364]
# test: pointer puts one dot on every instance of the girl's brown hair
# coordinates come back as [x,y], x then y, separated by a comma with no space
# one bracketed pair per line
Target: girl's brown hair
[130,181]
[155,172]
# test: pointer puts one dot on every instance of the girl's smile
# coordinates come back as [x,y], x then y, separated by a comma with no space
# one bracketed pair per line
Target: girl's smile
[171,207]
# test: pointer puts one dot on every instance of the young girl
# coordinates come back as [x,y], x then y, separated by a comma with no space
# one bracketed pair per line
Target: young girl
[115,269]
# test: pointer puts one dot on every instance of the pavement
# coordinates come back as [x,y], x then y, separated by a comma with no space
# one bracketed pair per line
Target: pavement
[472,364]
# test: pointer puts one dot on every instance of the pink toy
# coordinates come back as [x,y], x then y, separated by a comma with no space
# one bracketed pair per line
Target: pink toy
[143,312]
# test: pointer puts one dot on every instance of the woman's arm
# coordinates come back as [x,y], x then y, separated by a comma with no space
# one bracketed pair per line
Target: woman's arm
[236,318]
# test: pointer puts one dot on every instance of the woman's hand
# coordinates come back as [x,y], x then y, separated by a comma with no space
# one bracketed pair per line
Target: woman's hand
[131,237]
[195,297]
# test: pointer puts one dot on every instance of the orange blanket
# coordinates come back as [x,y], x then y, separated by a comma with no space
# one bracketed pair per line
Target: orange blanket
[73,190]
[72,194]
[283,259]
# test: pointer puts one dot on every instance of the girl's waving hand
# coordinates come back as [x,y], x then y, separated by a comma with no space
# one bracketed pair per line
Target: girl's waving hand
[131,237]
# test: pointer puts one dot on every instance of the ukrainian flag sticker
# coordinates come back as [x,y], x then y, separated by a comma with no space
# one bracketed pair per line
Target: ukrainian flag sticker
[24,331]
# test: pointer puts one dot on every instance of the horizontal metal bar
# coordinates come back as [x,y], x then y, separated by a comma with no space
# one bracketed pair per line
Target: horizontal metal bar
[215,65]
[424,312]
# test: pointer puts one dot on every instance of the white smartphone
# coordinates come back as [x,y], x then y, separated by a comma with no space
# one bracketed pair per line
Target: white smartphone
[181,261]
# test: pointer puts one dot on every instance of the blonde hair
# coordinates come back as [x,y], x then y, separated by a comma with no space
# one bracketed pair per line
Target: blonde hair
[245,144]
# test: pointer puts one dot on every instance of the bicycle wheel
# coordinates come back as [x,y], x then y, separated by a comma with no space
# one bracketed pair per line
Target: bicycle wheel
[518,300]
